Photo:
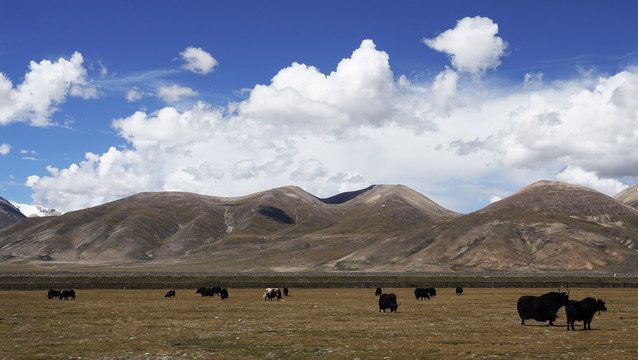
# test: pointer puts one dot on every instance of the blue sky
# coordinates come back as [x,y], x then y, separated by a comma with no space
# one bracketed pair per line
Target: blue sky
[463,101]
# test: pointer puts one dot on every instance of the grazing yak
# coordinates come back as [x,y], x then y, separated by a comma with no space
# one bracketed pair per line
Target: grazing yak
[223,294]
[211,291]
[378,292]
[459,291]
[388,301]
[272,293]
[583,310]
[66,294]
[285,291]
[421,294]
[54,294]
[541,308]
[431,291]
[169,293]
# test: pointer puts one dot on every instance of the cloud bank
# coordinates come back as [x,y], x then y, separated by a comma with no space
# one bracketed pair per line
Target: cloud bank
[363,124]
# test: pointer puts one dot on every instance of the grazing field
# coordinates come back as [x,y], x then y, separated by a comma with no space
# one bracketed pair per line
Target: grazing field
[310,323]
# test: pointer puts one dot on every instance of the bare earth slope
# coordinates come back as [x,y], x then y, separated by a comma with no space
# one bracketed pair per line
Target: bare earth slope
[9,214]
[546,226]
[629,196]
[279,229]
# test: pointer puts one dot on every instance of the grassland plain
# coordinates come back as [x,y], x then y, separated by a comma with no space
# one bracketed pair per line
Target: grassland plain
[324,323]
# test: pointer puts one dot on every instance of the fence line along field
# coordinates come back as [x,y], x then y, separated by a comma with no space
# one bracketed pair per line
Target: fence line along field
[310,323]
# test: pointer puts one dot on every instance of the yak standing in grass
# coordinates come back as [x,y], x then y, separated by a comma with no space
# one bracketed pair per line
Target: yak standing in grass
[421,294]
[431,291]
[169,293]
[388,301]
[459,291]
[66,294]
[54,294]
[223,294]
[541,308]
[378,292]
[584,311]
[272,293]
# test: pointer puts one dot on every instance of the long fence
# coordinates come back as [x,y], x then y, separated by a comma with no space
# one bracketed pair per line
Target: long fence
[40,281]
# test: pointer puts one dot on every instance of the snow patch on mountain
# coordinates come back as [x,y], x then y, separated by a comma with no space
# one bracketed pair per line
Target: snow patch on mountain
[35,210]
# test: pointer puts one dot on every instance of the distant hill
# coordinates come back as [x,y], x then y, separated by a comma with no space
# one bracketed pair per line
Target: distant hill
[544,227]
[9,214]
[629,196]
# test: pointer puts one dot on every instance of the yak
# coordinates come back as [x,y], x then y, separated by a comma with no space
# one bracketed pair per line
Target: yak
[583,310]
[421,294]
[285,291]
[431,291]
[54,293]
[169,293]
[211,291]
[378,292]
[459,291]
[541,308]
[223,294]
[388,301]
[272,293]
[66,294]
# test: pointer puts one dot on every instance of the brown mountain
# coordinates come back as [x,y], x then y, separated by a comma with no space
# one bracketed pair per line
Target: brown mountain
[9,214]
[279,229]
[544,227]
[629,196]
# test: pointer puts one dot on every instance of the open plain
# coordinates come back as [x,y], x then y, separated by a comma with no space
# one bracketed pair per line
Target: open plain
[334,323]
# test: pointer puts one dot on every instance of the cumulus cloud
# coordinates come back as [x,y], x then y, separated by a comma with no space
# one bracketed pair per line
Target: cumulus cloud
[5,148]
[46,85]
[198,60]
[578,176]
[360,125]
[472,45]
[174,92]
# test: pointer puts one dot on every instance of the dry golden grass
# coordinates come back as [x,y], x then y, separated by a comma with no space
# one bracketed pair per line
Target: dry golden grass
[311,323]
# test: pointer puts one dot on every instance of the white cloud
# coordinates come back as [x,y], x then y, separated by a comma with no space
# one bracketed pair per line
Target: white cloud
[309,170]
[134,95]
[362,125]
[578,176]
[533,80]
[5,148]
[472,45]
[198,60]
[174,92]
[45,86]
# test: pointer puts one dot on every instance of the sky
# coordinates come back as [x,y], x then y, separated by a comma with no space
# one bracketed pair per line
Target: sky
[465,102]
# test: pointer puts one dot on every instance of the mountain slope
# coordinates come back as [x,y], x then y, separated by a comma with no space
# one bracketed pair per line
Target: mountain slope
[629,196]
[9,214]
[547,226]
[544,227]
[265,230]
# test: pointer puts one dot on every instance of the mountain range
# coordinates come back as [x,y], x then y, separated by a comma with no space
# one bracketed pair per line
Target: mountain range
[544,227]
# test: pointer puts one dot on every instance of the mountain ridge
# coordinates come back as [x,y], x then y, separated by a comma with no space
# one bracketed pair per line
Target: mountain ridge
[544,227]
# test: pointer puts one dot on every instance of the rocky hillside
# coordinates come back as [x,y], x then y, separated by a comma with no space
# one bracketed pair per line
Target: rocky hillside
[9,214]
[544,227]
[279,229]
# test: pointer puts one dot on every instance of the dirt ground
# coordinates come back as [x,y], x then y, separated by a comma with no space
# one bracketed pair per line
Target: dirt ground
[310,323]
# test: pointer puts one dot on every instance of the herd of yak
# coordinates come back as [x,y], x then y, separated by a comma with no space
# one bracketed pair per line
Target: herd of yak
[540,308]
